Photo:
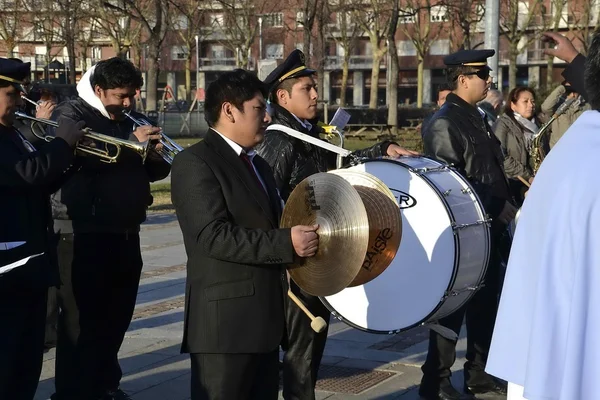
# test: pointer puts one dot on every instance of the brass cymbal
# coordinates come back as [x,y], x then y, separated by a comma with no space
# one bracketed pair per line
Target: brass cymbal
[332,202]
[385,223]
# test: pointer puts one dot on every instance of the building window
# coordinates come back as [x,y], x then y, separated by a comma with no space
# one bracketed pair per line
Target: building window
[181,23]
[406,48]
[407,16]
[274,20]
[300,19]
[179,52]
[217,20]
[438,14]
[274,51]
[440,47]
[218,52]
[96,53]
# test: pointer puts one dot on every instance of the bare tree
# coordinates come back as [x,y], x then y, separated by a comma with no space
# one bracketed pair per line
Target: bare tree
[393,68]
[557,19]
[417,26]
[346,37]
[321,53]
[375,23]
[68,13]
[11,13]
[85,36]
[465,16]
[238,26]
[521,24]
[188,25]
[585,18]
[45,27]
[120,28]
[153,16]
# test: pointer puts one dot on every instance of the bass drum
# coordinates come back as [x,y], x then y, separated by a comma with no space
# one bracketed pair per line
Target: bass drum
[443,255]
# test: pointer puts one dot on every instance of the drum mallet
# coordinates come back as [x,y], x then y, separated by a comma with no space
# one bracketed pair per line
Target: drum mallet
[318,324]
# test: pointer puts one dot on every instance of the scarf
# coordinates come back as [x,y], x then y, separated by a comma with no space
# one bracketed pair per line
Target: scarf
[530,130]
[86,92]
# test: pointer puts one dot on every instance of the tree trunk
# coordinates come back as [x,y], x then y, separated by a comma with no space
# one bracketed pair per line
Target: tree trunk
[344,82]
[392,70]
[188,77]
[322,52]
[549,78]
[152,77]
[512,70]
[377,56]
[10,47]
[71,52]
[420,67]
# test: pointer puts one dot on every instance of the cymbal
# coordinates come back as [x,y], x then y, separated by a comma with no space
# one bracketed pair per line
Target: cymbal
[330,201]
[385,223]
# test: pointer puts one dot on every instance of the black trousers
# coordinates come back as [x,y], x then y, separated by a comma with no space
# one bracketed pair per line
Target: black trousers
[235,376]
[303,348]
[51,318]
[100,274]
[23,316]
[480,313]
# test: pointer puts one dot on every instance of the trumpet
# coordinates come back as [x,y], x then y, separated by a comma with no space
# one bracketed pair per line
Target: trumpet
[140,148]
[169,147]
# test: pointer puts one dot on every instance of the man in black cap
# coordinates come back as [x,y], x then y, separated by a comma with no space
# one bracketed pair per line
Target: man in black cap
[459,134]
[27,244]
[293,98]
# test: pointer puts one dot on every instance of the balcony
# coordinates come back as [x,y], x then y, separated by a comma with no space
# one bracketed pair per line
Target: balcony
[222,64]
[355,62]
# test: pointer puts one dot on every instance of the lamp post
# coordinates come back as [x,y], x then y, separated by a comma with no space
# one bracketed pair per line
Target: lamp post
[197,65]
[260,43]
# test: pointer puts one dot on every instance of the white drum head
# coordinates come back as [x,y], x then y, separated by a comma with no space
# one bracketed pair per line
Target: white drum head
[412,287]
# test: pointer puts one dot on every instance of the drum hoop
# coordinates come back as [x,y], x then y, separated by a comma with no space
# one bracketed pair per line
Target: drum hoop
[456,249]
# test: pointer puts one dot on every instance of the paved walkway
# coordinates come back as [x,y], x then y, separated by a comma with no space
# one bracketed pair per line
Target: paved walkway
[373,366]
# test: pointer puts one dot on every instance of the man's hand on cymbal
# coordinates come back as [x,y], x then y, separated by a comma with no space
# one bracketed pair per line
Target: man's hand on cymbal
[563,49]
[305,240]
[394,150]
[147,132]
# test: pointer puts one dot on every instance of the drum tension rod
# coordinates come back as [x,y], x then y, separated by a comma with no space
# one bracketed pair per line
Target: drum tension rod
[467,289]
[456,227]
[427,170]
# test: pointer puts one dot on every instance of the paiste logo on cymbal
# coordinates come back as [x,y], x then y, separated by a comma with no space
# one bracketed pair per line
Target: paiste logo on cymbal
[310,196]
[377,248]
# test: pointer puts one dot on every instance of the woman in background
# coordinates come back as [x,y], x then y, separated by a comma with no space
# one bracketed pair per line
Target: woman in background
[515,129]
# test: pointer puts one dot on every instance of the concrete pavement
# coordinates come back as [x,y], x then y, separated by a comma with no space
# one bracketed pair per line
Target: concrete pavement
[357,365]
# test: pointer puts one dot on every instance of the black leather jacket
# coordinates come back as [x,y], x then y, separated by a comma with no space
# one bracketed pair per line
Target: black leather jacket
[103,197]
[459,135]
[293,160]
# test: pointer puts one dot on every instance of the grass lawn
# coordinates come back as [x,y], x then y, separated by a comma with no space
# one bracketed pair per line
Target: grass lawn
[162,198]
[162,191]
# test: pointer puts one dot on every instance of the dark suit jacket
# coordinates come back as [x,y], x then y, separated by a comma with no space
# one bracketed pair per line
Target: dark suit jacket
[26,182]
[235,278]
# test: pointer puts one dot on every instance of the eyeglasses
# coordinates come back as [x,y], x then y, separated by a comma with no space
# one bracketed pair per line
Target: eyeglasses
[482,74]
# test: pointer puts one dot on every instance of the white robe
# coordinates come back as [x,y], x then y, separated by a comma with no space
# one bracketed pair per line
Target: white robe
[547,332]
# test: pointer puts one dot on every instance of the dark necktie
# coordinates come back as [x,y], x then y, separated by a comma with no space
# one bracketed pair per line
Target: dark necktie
[250,167]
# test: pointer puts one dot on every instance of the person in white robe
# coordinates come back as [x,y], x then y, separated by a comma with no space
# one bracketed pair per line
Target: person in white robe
[546,340]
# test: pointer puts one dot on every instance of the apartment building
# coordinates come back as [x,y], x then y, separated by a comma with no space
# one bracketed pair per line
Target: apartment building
[260,36]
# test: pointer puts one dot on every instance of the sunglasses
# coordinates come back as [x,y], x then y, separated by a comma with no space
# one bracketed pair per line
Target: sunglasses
[483,74]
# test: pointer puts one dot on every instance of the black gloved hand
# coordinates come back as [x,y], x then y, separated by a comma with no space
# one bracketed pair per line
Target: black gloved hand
[70,131]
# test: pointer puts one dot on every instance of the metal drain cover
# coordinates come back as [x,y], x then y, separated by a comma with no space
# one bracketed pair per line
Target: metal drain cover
[349,380]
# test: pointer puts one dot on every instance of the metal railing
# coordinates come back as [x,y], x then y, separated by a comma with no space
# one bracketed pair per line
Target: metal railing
[355,62]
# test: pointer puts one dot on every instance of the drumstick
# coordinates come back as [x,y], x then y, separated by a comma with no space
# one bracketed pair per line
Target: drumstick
[318,324]
[524,181]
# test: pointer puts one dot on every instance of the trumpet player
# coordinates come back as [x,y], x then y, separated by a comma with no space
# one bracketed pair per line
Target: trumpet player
[99,212]
[27,241]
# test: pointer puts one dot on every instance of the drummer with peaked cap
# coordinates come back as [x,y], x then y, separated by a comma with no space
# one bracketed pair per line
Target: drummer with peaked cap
[293,98]
[459,134]
[27,178]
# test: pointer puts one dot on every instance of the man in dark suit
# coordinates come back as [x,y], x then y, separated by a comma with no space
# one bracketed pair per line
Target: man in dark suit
[27,178]
[228,207]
